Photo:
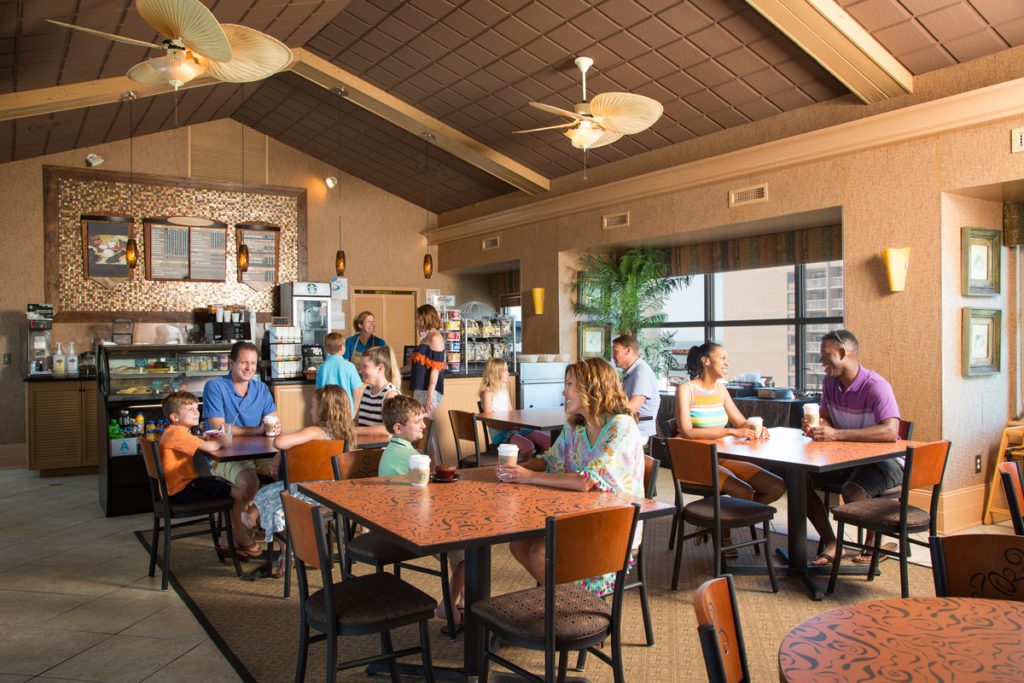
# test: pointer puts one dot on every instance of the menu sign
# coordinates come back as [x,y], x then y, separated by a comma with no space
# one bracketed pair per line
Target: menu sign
[181,252]
[168,253]
[263,243]
[208,254]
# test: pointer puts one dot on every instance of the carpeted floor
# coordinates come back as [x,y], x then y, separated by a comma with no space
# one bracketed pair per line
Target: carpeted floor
[259,629]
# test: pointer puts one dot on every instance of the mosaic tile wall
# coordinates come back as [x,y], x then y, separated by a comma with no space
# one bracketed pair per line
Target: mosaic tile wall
[77,197]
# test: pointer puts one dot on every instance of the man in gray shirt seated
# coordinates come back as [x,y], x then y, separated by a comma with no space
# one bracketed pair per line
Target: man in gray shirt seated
[639,382]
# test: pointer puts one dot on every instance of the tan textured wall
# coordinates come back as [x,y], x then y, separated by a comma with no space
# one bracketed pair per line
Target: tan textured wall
[974,408]
[381,233]
[890,196]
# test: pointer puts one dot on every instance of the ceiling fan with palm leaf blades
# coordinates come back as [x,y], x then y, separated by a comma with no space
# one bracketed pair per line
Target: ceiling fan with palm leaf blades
[604,119]
[196,43]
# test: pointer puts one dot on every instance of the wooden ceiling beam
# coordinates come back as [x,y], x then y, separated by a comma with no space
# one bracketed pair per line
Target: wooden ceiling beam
[390,108]
[827,33]
[19,105]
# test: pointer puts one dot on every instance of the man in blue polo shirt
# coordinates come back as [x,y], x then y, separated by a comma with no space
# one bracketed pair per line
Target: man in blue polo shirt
[242,401]
[638,382]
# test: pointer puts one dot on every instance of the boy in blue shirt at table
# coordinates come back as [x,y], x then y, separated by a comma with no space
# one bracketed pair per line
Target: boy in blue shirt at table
[403,418]
[336,370]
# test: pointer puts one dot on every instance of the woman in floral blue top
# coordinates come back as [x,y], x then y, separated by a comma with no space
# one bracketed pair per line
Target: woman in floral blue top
[599,448]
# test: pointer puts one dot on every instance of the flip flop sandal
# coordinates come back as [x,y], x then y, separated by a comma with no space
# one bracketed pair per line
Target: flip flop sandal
[866,559]
[831,560]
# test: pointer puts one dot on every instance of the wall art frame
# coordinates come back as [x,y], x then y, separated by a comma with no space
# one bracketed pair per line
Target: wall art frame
[594,339]
[981,341]
[980,262]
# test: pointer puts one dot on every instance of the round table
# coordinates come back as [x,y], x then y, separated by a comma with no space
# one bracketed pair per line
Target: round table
[936,639]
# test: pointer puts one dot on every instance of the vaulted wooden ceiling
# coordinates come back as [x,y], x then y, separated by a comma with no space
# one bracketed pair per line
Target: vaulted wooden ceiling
[474,66]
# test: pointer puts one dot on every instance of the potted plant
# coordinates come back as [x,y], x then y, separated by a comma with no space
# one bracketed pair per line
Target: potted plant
[628,293]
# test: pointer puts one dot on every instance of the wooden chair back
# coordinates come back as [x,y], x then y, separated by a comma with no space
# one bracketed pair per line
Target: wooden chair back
[673,427]
[310,461]
[906,430]
[651,467]
[978,566]
[721,637]
[927,464]
[302,529]
[423,443]
[155,471]
[359,464]
[1013,489]
[578,556]
[694,465]
[463,425]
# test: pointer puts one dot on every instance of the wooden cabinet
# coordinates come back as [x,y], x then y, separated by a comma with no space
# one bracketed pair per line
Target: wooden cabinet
[62,429]
[293,401]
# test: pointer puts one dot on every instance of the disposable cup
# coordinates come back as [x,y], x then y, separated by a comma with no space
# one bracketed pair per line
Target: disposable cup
[508,454]
[226,433]
[419,470]
[757,423]
[811,414]
[270,423]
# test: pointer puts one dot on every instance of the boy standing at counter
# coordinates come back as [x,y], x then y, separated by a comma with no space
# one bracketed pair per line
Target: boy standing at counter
[336,370]
[241,400]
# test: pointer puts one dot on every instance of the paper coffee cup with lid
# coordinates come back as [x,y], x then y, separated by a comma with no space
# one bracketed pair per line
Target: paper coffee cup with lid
[419,470]
[811,414]
[757,423]
[508,454]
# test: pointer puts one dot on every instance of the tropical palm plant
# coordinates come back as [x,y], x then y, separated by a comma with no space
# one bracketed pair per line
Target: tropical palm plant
[628,292]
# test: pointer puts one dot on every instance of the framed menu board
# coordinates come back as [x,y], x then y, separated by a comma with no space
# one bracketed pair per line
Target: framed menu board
[264,243]
[186,252]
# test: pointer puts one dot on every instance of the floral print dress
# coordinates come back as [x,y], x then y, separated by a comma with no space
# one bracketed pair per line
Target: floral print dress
[614,462]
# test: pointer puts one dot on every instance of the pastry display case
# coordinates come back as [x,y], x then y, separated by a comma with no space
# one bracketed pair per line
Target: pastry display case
[132,380]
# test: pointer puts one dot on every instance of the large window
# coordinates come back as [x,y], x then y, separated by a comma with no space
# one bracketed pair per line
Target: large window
[770,319]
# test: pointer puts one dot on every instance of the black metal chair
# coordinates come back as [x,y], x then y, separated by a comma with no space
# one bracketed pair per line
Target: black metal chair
[376,603]
[165,510]
[1013,489]
[721,636]
[465,428]
[925,466]
[561,616]
[695,471]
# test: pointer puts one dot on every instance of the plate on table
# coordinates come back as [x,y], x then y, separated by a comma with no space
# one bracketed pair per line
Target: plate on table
[436,480]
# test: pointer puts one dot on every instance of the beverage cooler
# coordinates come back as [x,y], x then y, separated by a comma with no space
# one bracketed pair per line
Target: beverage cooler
[307,307]
[452,324]
[488,337]
[133,380]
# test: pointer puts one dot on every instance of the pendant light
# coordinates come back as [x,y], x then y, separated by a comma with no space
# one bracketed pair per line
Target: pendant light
[131,247]
[339,257]
[242,255]
[428,260]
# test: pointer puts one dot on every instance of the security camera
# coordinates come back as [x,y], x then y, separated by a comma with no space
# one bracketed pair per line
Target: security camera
[93,160]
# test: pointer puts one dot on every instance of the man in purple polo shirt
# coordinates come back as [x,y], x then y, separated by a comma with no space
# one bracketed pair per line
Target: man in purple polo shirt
[856,405]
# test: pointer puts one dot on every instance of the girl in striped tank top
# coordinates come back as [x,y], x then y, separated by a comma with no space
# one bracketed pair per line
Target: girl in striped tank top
[705,410]
[378,368]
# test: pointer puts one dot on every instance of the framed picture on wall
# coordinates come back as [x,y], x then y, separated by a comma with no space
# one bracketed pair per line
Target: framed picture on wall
[104,240]
[594,339]
[979,261]
[586,290]
[981,344]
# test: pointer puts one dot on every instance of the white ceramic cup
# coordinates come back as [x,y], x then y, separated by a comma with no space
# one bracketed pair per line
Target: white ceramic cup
[270,425]
[757,423]
[811,414]
[419,470]
[508,454]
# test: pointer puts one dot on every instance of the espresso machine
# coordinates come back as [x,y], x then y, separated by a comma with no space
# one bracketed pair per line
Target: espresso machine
[40,324]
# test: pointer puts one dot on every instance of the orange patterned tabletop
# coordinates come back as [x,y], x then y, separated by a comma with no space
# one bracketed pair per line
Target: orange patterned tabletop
[257,447]
[914,639]
[477,510]
[789,448]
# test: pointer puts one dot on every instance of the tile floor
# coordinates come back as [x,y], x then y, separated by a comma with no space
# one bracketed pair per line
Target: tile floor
[76,604]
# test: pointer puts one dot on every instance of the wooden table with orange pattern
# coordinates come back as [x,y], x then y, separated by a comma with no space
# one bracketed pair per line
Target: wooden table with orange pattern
[796,456]
[911,639]
[473,514]
[257,447]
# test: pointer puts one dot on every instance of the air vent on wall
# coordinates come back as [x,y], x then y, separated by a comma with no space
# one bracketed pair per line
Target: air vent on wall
[489,243]
[215,153]
[748,195]
[615,220]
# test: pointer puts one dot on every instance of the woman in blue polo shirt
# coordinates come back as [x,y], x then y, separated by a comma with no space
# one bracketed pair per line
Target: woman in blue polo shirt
[242,401]
[365,324]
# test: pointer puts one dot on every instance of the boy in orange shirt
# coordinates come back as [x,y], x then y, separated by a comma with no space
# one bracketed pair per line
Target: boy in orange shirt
[178,447]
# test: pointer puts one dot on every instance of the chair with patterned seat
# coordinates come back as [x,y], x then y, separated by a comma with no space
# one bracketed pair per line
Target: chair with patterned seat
[978,566]
[562,616]
[165,510]
[373,548]
[465,427]
[924,467]
[377,603]
[1013,489]
[721,636]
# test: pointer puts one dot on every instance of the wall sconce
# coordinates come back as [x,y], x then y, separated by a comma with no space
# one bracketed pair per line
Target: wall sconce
[897,262]
[428,266]
[131,253]
[243,258]
[339,263]
[538,300]
[331,182]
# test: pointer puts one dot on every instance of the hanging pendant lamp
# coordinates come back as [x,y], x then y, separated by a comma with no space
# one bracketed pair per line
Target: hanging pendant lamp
[242,254]
[131,247]
[428,260]
[339,257]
